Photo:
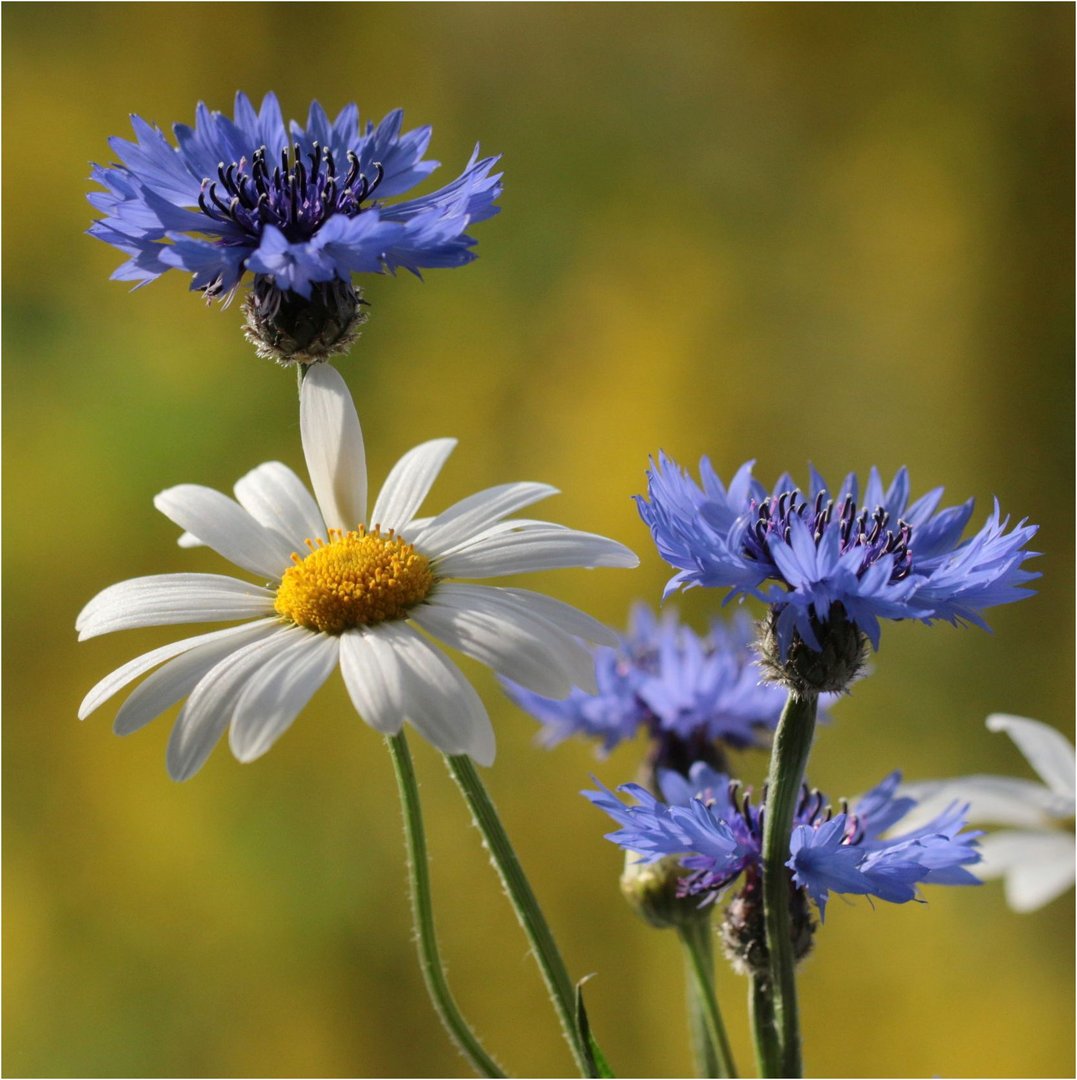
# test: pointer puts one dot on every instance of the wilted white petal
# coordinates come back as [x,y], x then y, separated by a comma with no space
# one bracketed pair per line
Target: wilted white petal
[333,447]
[274,696]
[408,483]
[166,599]
[222,524]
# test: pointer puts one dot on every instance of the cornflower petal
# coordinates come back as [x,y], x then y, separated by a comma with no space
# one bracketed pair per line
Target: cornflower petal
[299,207]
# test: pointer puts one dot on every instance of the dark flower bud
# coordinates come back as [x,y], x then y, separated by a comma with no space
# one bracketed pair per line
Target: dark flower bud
[289,328]
[743,932]
[830,669]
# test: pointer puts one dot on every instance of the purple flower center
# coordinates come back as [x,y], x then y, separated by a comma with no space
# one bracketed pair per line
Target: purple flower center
[295,197]
[856,529]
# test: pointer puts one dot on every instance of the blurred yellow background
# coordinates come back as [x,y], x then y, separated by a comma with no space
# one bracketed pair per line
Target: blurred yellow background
[828,233]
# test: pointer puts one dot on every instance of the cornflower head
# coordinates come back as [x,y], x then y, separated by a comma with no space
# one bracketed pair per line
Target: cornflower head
[691,693]
[712,827]
[302,207]
[830,563]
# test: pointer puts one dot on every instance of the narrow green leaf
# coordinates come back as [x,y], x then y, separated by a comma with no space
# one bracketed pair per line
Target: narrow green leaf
[595,1058]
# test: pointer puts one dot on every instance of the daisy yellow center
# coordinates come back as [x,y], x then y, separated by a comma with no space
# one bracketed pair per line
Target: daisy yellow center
[355,579]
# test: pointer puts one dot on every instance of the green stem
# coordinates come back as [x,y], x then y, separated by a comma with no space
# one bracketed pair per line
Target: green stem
[761,1014]
[712,1044]
[525,905]
[788,759]
[423,912]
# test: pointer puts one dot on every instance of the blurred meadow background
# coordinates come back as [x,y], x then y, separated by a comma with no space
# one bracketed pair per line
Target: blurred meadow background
[838,234]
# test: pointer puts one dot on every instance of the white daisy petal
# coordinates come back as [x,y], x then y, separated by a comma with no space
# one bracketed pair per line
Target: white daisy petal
[179,676]
[276,498]
[497,631]
[274,696]
[408,483]
[992,800]
[165,599]
[570,619]
[374,678]
[1047,750]
[1037,866]
[189,540]
[209,709]
[534,549]
[477,512]
[118,679]
[222,524]
[333,447]
[437,698]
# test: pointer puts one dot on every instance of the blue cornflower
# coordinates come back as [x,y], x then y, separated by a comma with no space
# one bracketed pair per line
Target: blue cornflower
[301,207]
[716,831]
[825,557]
[664,678]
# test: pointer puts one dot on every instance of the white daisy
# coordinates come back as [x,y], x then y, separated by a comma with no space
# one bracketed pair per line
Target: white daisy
[364,594]
[1034,857]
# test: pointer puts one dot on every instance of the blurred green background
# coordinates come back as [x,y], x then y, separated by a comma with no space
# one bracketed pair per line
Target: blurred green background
[827,233]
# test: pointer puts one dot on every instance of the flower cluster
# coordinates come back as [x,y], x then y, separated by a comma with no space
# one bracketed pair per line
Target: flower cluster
[665,679]
[302,207]
[713,826]
[367,586]
[825,556]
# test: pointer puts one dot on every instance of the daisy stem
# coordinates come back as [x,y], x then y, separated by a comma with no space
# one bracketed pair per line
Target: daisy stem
[528,912]
[713,1052]
[788,759]
[423,912]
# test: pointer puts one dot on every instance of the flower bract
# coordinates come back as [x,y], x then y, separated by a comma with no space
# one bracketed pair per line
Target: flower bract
[823,555]
[338,586]
[713,826]
[1033,855]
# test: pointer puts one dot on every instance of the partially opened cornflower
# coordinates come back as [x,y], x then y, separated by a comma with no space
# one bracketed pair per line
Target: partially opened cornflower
[339,586]
[684,689]
[831,563]
[715,830]
[301,207]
